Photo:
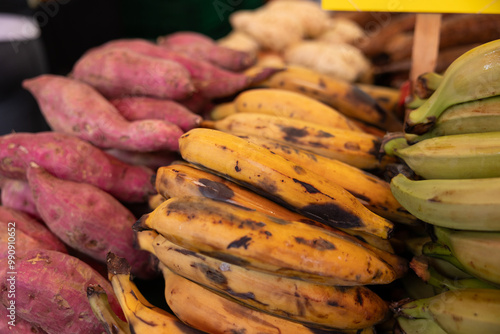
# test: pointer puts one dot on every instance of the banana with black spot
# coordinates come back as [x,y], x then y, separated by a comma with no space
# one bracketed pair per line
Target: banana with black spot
[257,241]
[280,180]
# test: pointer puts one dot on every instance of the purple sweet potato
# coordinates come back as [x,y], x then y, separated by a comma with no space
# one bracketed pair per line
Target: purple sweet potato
[71,158]
[72,106]
[12,324]
[135,108]
[200,46]
[25,233]
[119,72]
[51,293]
[17,194]
[87,219]
[210,80]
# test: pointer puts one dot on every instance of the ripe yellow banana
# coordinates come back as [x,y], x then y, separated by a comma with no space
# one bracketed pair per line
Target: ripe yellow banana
[387,97]
[142,316]
[184,179]
[311,304]
[221,110]
[208,311]
[356,148]
[472,76]
[461,156]
[103,311]
[343,96]
[374,192]
[262,242]
[281,180]
[285,103]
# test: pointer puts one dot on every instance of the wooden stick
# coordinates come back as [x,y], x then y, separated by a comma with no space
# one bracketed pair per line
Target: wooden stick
[425,44]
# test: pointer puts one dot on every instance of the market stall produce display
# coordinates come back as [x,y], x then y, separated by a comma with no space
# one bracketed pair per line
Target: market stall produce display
[260,183]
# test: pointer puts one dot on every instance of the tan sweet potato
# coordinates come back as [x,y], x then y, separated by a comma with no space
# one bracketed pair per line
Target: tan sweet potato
[17,194]
[87,219]
[135,108]
[210,80]
[200,46]
[74,107]
[51,293]
[70,158]
[21,233]
[119,72]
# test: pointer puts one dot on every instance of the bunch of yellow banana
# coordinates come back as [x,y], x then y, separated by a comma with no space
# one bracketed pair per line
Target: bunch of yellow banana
[141,316]
[355,101]
[248,240]
[452,144]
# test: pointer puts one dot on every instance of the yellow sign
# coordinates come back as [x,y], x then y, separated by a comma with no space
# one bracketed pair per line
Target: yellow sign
[415,6]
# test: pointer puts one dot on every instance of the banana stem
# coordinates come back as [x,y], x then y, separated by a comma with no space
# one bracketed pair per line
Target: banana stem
[441,251]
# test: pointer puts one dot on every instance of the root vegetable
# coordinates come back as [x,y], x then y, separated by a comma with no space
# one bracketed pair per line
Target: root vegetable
[17,194]
[121,72]
[70,158]
[51,293]
[87,219]
[199,46]
[136,108]
[209,80]
[29,233]
[74,107]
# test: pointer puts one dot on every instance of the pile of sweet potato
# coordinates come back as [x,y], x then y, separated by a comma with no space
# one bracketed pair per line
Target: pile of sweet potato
[69,196]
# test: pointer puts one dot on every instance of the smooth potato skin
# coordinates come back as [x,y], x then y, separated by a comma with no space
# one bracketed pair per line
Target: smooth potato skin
[79,109]
[50,292]
[71,158]
[209,80]
[200,46]
[135,108]
[122,72]
[87,219]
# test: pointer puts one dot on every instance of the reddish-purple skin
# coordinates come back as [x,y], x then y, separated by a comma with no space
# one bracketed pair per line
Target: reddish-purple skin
[197,103]
[135,108]
[30,233]
[87,219]
[74,107]
[153,160]
[51,292]
[210,80]
[122,72]
[71,158]
[199,46]
[17,194]
[21,326]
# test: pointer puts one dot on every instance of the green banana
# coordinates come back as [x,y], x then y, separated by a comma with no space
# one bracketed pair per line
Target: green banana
[469,117]
[466,204]
[443,267]
[472,76]
[470,251]
[426,83]
[462,311]
[418,326]
[433,277]
[461,156]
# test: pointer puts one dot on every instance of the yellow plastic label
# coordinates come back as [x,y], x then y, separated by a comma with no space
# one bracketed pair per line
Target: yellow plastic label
[416,6]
